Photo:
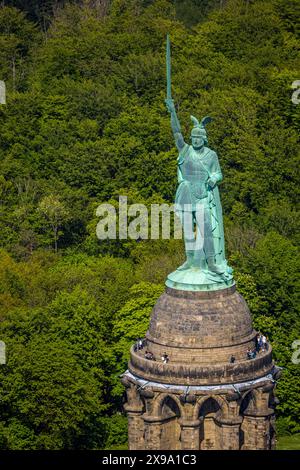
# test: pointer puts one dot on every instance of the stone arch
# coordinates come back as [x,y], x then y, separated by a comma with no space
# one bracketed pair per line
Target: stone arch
[169,410]
[159,402]
[220,400]
[248,401]
[208,409]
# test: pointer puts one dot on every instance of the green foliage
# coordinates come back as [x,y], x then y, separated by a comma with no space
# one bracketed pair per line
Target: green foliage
[133,318]
[288,442]
[287,391]
[117,432]
[58,337]
[55,213]
[52,397]
[84,123]
[247,288]
[275,262]
[17,37]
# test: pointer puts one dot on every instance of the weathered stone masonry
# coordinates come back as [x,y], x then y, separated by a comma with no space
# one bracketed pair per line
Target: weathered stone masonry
[199,400]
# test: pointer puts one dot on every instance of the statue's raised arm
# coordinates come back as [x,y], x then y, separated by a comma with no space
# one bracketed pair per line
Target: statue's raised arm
[175,124]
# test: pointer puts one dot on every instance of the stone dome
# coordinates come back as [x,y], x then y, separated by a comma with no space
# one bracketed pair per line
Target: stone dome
[200,332]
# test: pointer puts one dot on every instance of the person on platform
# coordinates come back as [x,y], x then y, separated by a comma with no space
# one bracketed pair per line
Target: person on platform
[264,343]
[165,358]
[251,354]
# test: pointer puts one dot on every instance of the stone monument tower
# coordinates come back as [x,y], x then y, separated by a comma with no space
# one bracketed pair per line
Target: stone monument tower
[200,381]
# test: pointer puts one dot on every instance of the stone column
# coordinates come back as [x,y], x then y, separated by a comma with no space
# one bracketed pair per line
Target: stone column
[230,433]
[190,438]
[257,420]
[153,428]
[231,423]
[136,439]
[134,408]
[256,429]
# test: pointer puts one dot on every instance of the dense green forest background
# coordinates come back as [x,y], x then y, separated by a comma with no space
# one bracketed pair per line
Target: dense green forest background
[85,122]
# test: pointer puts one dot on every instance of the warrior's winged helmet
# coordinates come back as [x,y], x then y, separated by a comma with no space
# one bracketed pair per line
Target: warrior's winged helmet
[199,128]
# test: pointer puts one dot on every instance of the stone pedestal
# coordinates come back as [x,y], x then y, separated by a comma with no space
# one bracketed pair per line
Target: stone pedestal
[199,400]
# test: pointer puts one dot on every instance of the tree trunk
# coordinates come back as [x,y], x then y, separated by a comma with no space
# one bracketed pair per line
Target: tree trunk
[55,239]
[14,73]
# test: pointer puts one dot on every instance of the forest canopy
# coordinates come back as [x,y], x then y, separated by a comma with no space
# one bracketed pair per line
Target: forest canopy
[85,122]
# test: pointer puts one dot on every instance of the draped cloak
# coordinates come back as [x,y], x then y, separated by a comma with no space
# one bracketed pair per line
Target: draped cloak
[194,170]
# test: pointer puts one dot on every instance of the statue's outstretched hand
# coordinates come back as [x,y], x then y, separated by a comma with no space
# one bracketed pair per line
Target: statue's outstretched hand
[170,105]
[211,183]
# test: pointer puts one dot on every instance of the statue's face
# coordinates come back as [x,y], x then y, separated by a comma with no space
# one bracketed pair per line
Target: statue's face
[197,142]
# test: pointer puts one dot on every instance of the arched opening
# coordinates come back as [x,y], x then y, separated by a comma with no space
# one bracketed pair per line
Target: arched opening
[247,403]
[170,428]
[209,428]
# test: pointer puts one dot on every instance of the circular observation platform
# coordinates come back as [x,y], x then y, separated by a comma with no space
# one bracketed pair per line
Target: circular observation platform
[200,332]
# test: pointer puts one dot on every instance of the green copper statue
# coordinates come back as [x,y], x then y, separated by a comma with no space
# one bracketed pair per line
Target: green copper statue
[197,204]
